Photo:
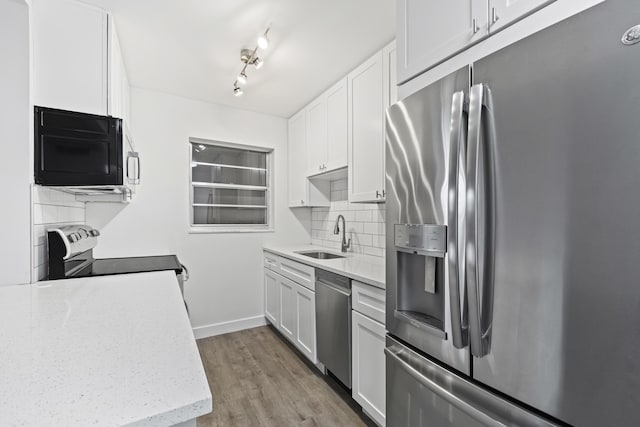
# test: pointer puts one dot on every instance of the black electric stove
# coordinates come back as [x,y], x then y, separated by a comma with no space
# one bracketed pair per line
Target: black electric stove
[144,264]
[71,255]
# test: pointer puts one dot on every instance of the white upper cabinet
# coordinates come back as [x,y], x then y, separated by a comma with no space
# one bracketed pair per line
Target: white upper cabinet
[505,12]
[302,192]
[429,31]
[327,130]
[391,76]
[70,56]
[317,136]
[77,61]
[366,106]
[297,168]
[119,89]
[337,127]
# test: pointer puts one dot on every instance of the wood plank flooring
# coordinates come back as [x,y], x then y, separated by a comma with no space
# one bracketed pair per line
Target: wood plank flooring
[258,380]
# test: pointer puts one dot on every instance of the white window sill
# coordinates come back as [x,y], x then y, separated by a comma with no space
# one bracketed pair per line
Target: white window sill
[214,230]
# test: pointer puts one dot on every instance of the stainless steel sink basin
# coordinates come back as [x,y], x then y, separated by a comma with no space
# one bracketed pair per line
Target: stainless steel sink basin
[320,255]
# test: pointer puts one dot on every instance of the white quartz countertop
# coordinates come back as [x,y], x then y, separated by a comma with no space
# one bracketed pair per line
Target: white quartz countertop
[363,268]
[111,350]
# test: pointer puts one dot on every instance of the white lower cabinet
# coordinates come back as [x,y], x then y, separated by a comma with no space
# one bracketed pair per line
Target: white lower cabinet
[287,325]
[368,365]
[306,322]
[272,297]
[290,306]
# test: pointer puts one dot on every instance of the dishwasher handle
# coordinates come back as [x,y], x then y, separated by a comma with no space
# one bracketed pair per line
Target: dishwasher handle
[339,289]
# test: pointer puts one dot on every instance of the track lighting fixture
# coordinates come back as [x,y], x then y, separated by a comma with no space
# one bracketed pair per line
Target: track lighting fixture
[250,57]
[242,77]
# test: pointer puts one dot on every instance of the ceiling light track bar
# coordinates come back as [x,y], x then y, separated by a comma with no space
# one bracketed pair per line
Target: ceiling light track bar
[249,57]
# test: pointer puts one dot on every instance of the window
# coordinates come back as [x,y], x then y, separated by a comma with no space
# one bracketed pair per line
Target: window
[230,187]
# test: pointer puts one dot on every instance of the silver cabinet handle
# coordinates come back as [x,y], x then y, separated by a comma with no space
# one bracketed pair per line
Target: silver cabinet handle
[480,286]
[441,391]
[457,155]
[474,24]
[494,16]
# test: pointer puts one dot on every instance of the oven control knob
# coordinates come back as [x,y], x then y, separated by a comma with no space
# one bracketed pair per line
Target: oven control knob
[73,237]
[94,233]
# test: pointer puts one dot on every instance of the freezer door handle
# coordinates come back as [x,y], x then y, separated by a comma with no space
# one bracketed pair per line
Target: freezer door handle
[455,257]
[439,390]
[479,218]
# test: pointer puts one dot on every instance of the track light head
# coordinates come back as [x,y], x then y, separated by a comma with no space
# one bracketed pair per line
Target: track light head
[242,78]
[263,40]
[258,63]
[237,91]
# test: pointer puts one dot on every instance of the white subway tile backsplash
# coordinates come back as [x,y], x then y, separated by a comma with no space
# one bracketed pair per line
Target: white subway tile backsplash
[364,216]
[365,223]
[51,209]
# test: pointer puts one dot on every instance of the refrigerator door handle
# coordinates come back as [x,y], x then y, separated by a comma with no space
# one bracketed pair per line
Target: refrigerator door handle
[440,390]
[479,228]
[457,149]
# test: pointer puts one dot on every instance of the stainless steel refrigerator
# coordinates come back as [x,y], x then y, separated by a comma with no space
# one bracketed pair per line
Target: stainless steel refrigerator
[513,234]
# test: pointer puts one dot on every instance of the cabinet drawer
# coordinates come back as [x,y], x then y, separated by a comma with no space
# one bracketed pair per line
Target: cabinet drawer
[300,273]
[369,301]
[272,262]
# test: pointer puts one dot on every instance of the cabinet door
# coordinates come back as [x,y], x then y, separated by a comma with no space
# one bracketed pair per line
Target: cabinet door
[70,51]
[366,131]
[390,75]
[368,365]
[505,12]
[119,90]
[297,151]
[306,322]
[337,125]
[287,325]
[272,297]
[429,31]
[316,136]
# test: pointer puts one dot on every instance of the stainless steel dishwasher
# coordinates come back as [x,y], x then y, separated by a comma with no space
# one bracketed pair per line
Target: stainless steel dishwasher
[333,324]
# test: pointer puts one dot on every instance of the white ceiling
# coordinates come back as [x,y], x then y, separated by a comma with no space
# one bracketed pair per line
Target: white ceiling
[191,48]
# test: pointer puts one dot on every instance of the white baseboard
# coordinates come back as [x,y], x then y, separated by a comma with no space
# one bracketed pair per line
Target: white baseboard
[226,327]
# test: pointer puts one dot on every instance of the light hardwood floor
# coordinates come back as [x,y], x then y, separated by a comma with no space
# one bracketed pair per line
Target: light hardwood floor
[258,380]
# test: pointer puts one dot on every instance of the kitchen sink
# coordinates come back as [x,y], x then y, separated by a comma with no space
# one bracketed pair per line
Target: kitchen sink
[320,255]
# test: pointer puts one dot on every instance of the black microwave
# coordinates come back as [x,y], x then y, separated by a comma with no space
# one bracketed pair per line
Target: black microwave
[80,150]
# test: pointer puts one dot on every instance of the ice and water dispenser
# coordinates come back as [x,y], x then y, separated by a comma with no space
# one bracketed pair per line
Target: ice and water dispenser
[420,251]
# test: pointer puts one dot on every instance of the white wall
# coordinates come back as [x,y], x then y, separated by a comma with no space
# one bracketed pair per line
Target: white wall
[365,223]
[15,172]
[226,282]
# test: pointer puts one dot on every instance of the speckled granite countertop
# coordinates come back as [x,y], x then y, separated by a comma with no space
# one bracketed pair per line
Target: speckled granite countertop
[363,268]
[112,350]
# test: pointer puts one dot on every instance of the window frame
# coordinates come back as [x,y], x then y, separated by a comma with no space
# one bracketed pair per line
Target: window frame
[269,196]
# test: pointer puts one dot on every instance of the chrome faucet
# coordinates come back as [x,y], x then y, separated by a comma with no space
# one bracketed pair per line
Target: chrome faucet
[336,230]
